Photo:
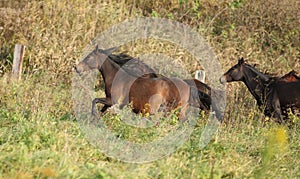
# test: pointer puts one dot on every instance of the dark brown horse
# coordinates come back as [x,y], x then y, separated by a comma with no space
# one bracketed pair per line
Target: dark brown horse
[283,94]
[146,95]
[273,93]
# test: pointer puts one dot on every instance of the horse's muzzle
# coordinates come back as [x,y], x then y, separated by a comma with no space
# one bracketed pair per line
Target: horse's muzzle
[223,79]
[76,69]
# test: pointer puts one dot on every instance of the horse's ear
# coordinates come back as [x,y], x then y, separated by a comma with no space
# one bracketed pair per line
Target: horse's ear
[110,50]
[97,49]
[293,72]
[241,61]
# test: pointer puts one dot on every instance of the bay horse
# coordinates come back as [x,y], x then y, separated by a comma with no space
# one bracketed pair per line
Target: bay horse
[125,88]
[135,66]
[130,64]
[290,77]
[275,94]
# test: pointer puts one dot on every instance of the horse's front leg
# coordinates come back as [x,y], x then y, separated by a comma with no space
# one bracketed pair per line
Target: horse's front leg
[105,101]
[104,108]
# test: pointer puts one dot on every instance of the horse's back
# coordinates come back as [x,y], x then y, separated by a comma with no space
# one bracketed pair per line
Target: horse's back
[289,77]
[183,87]
[172,89]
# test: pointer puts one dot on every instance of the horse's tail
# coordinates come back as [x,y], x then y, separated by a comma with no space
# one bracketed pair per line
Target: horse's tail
[199,99]
[218,103]
[206,102]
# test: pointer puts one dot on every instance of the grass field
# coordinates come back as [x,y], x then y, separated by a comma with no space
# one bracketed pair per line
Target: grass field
[40,136]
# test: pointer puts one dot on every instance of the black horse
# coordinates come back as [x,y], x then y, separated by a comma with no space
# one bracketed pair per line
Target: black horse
[273,93]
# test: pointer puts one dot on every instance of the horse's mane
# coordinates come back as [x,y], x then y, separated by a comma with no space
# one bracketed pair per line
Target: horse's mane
[121,59]
[132,65]
[269,77]
[265,77]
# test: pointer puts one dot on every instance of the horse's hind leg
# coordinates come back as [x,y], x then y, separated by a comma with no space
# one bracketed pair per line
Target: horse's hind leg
[154,104]
[105,101]
[277,110]
[182,114]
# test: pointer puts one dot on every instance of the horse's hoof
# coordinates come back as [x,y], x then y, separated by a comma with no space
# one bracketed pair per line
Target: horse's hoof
[93,112]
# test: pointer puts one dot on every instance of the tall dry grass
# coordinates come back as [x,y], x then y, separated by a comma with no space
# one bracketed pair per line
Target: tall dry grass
[39,136]
[56,32]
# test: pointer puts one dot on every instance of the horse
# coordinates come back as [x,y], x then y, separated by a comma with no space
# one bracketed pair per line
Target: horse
[145,94]
[268,91]
[290,77]
[131,65]
[136,67]
[284,94]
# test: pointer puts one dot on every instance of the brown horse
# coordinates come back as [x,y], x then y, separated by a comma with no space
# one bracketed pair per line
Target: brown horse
[136,67]
[146,95]
[130,64]
[290,77]
[275,94]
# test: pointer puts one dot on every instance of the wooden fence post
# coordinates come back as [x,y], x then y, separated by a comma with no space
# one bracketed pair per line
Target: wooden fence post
[200,75]
[18,61]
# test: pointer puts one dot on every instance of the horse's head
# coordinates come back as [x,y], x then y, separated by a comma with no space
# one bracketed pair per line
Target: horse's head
[94,60]
[235,73]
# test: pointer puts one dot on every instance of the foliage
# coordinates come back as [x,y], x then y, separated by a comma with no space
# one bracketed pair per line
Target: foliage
[39,135]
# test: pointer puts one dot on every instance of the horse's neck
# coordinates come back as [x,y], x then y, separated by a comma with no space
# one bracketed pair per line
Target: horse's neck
[108,70]
[256,85]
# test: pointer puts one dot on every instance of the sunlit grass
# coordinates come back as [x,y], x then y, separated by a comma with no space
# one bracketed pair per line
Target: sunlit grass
[41,138]
[48,142]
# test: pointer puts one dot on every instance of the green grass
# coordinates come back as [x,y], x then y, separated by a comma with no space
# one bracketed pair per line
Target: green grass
[41,138]
[37,142]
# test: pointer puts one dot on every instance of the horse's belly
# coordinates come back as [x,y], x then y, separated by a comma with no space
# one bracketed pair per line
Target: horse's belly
[290,99]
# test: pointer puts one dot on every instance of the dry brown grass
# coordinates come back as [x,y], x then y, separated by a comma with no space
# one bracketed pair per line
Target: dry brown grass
[39,135]
[56,32]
